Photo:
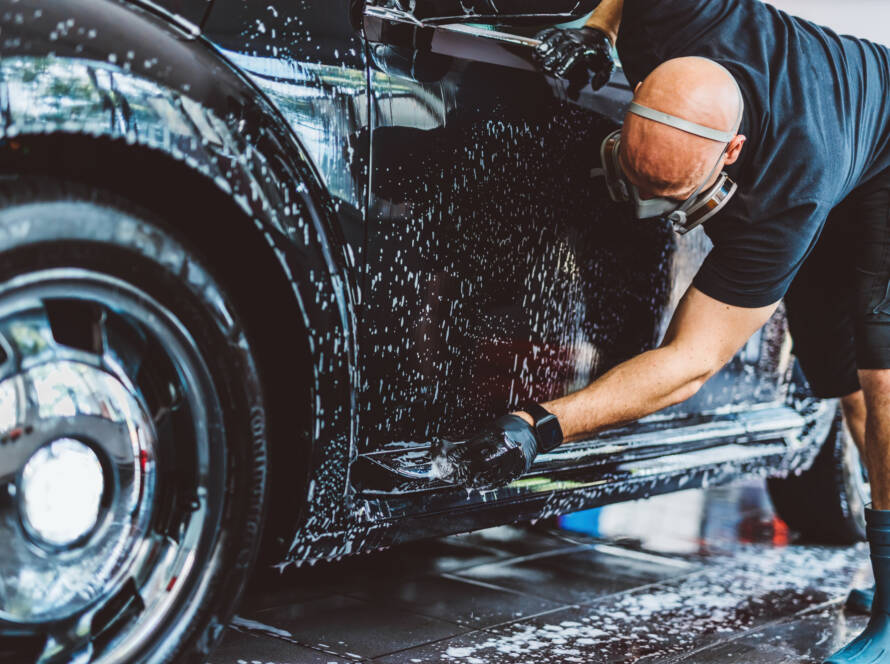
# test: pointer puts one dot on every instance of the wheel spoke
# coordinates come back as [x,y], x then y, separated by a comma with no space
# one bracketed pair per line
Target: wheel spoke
[29,333]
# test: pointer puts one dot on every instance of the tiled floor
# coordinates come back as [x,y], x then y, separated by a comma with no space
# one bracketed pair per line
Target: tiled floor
[701,576]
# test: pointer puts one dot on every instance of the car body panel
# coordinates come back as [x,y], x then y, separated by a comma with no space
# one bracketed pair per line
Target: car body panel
[498,271]
[433,207]
[312,66]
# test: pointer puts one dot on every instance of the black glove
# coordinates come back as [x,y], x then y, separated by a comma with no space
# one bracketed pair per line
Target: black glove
[495,456]
[582,56]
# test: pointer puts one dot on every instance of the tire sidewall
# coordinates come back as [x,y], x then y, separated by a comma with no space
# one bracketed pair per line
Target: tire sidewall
[846,463]
[820,502]
[45,224]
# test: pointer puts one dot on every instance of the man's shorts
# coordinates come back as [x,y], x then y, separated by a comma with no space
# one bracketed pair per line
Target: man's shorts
[839,304]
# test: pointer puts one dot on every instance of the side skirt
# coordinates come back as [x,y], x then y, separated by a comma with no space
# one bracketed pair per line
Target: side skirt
[397,501]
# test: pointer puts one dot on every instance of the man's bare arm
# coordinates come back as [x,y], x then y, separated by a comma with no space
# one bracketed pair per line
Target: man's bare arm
[703,335]
[607,18]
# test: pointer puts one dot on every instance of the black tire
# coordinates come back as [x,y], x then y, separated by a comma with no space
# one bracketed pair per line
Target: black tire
[824,504]
[51,227]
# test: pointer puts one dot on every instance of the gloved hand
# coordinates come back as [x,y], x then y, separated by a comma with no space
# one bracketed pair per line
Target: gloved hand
[582,56]
[495,456]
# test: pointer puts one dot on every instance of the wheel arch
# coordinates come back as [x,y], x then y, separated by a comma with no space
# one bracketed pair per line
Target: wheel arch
[172,126]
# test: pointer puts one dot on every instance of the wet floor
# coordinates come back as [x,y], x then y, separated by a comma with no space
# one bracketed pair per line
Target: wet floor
[700,576]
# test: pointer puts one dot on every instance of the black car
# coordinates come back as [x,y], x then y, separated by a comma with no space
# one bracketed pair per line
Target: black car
[255,256]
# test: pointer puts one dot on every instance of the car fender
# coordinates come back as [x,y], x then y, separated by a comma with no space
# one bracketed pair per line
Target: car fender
[116,70]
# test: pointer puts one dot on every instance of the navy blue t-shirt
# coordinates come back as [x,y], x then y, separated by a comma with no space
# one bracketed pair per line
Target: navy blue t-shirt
[817,117]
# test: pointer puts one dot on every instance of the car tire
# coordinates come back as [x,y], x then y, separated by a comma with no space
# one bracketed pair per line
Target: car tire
[147,393]
[825,504]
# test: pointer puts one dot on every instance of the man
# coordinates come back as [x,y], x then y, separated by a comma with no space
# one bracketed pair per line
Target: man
[800,119]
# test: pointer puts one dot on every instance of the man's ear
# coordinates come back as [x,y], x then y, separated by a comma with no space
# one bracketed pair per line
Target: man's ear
[637,87]
[734,149]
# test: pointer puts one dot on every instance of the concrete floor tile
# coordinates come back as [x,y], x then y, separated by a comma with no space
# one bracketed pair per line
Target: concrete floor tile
[456,649]
[354,628]
[269,587]
[520,541]
[455,599]
[577,576]
[240,648]
[808,639]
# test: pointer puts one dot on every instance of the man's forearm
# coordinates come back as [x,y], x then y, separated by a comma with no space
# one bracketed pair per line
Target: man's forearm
[703,335]
[607,17]
[643,385]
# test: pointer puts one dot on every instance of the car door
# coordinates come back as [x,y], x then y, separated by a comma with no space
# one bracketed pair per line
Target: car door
[497,269]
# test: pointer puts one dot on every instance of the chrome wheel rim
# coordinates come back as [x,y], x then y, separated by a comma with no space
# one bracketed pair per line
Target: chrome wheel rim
[109,494]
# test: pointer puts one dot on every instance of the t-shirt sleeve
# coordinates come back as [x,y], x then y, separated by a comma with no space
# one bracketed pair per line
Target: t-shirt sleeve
[653,31]
[753,263]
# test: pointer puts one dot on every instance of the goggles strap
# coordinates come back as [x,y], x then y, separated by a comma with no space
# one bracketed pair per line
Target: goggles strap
[681,124]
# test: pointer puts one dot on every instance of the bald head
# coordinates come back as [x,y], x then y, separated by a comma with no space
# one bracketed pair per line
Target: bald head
[665,161]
